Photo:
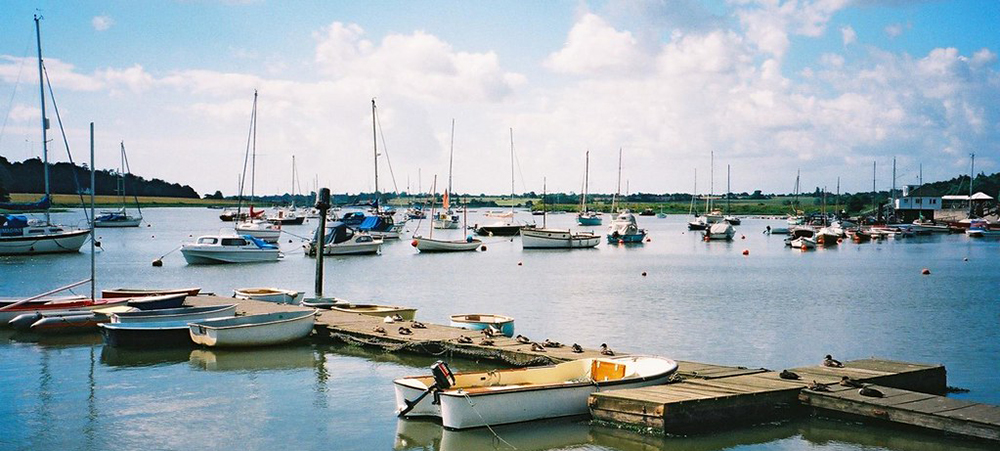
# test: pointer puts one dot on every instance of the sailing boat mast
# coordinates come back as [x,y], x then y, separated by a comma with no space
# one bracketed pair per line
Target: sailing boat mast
[512,174]
[451,155]
[618,191]
[375,151]
[728,190]
[45,120]
[586,184]
[711,184]
[253,158]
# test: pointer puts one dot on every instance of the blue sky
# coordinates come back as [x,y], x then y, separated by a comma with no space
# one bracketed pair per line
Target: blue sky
[825,86]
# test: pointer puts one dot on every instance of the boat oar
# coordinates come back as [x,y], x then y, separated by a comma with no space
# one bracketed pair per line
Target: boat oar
[159,261]
[39,296]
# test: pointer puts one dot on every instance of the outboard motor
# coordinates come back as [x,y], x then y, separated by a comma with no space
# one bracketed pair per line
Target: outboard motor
[443,380]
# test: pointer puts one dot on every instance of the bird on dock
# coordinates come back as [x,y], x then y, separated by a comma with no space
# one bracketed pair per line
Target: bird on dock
[488,332]
[870,392]
[522,339]
[464,339]
[816,386]
[418,325]
[785,374]
[551,344]
[405,331]
[605,350]
[486,342]
[577,348]
[537,347]
[832,362]
[397,317]
[378,330]
[846,381]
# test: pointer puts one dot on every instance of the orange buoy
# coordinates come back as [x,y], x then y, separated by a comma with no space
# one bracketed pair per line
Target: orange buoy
[413,243]
[925,272]
[649,240]
[746,251]
[621,241]
[804,247]
[840,240]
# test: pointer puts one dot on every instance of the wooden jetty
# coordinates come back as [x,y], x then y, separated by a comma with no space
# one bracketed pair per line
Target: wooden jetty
[925,410]
[703,395]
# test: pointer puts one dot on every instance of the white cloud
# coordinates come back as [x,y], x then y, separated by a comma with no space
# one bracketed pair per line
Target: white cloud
[893,30]
[769,23]
[593,46]
[102,22]
[848,35]
[419,63]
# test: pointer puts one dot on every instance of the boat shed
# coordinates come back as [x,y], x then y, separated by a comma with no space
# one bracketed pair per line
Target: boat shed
[917,202]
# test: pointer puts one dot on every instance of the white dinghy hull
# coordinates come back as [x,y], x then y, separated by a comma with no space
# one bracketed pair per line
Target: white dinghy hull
[253,330]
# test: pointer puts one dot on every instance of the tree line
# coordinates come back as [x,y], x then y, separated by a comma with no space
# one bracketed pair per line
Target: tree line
[65,178]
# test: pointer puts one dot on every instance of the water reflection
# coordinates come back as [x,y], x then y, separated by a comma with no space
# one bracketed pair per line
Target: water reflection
[262,359]
[130,357]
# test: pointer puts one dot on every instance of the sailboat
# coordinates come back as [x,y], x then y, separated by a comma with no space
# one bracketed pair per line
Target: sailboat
[623,228]
[545,238]
[504,227]
[711,215]
[729,217]
[587,217]
[257,228]
[796,218]
[381,224]
[288,215]
[447,219]
[429,244]
[18,234]
[120,218]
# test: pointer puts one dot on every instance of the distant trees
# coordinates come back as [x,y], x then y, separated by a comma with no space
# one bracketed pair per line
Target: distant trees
[216,196]
[4,194]
[65,178]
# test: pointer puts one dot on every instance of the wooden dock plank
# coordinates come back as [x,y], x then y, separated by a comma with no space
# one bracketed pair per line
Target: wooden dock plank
[923,410]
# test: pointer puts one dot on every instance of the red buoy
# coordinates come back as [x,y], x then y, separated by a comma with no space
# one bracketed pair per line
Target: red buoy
[520,264]
[925,272]
[483,248]
[413,243]
[644,274]
[746,251]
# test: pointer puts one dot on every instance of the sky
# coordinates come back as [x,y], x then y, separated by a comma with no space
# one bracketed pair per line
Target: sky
[771,88]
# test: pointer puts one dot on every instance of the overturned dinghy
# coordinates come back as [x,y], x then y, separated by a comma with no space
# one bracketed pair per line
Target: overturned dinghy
[476,399]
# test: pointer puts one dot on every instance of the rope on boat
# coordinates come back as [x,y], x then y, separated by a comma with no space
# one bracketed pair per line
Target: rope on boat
[421,346]
[495,435]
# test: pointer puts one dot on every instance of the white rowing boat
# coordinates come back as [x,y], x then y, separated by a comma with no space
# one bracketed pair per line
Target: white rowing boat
[253,330]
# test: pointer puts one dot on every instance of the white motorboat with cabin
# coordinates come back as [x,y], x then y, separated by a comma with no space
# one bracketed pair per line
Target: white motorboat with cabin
[476,399]
[722,230]
[342,240]
[211,249]
[260,229]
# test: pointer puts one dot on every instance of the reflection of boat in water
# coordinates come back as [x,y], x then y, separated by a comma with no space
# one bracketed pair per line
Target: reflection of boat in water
[133,357]
[273,358]
[562,433]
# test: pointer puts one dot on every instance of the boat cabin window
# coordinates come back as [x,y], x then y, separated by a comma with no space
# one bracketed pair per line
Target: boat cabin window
[54,230]
[364,239]
[35,231]
[207,240]
[234,242]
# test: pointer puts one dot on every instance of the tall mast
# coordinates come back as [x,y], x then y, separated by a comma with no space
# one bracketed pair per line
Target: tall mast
[512,172]
[618,192]
[93,242]
[121,175]
[586,182]
[375,149]
[728,190]
[253,158]
[874,202]
[972,175]
[293,182]
[893,206]
[45,120]
[711,183]
[544,207]
[433,199]
[838,196]
[451,155]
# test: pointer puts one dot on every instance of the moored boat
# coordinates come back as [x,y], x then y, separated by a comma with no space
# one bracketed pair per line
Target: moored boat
[341,240]
[137,292]
[253,330]
[476,399]
[432,245]
[624,229]
[477,321]
[380,311]
[10,311]
[181,315]
[720,231]
[499,228]
[276,295]
[229,249]
[546,238]
[151,335]
[163,301]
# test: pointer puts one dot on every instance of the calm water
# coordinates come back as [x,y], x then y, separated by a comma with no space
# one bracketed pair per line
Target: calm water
[775,308]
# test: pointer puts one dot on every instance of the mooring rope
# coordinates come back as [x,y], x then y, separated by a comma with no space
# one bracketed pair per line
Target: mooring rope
[495,435]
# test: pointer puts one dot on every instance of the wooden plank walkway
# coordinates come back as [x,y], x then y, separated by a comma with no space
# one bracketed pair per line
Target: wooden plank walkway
[434,339]
[707,396]
[704,395]
[912,408]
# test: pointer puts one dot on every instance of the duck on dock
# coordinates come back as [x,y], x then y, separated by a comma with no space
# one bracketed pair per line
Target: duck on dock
[551,344]
[846,381]
[870,392]
[785,374]
[537,347]
[831,362]
[605,350]
[522,339]
[816,386]
[577,348]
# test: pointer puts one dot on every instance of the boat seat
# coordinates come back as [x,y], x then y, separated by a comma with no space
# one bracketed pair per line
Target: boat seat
[601,371]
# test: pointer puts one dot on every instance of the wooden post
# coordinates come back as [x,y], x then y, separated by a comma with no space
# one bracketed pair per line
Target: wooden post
[323,205]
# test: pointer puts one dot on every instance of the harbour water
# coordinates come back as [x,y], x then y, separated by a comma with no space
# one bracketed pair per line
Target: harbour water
[775,307]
